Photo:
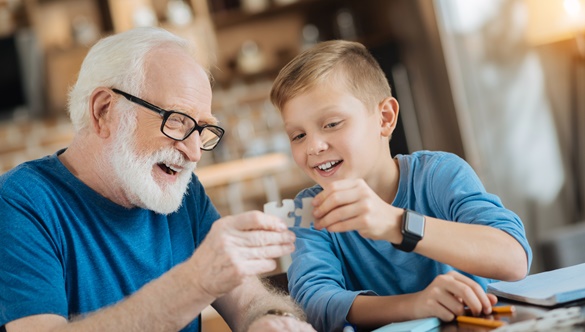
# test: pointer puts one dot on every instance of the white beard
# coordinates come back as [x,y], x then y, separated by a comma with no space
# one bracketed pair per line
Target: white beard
[134,174]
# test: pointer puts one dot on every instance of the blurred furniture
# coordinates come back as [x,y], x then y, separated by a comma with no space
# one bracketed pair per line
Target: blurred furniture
[233,173]
[563,247]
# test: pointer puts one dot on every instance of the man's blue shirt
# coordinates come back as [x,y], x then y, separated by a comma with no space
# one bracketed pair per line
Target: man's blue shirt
[67,250]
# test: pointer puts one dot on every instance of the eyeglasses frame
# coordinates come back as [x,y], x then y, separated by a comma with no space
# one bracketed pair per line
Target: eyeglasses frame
[165,114]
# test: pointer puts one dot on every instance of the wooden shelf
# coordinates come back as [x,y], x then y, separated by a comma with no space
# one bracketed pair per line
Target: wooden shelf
[235,17]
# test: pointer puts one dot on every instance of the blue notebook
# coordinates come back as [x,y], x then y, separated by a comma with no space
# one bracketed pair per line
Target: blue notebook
[546,288]
[417,325]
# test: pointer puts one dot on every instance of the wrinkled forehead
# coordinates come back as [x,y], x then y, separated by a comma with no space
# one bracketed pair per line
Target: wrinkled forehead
[174,72]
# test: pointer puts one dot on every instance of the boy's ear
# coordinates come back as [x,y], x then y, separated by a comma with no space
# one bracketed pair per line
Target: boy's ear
[101,103]
[388,115]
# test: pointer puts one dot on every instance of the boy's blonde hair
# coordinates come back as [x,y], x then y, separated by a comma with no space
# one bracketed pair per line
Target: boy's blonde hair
[327,61]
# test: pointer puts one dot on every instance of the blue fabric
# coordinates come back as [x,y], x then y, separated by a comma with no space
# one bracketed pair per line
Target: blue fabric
[69,251]
[330,269]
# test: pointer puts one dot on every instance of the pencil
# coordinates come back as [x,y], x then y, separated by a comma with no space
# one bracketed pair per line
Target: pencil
[503,309]
[479,321]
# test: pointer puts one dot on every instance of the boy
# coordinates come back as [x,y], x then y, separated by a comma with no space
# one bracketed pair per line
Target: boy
[394,239]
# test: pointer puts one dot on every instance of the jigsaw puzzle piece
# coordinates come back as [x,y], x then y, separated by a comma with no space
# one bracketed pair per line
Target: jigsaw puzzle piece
[285,211]
[305,213]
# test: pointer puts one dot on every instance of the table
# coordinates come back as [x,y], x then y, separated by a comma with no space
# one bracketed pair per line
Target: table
[523,312]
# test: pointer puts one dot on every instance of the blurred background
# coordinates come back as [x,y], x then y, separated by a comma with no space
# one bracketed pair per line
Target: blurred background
[500,83]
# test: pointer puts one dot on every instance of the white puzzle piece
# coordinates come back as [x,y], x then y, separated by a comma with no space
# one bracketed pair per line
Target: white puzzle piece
[289,213]
[284,211]
[306,213]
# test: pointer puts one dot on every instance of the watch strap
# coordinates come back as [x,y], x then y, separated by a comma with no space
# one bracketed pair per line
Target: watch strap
[409,240]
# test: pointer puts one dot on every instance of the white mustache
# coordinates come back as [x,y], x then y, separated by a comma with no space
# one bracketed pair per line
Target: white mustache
[171,156]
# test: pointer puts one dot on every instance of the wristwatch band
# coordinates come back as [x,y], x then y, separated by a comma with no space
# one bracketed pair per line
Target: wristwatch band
[413,225]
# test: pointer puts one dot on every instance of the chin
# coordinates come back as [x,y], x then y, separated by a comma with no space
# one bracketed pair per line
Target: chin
[162,199]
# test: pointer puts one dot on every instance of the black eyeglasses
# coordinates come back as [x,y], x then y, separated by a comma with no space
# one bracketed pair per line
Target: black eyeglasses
[179,126]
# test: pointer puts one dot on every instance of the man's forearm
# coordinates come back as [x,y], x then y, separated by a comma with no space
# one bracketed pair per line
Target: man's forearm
[168,303]
[252,300]
[272,300]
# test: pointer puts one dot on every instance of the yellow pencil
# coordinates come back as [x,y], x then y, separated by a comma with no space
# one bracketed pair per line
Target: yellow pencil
[503,309]
[480,321]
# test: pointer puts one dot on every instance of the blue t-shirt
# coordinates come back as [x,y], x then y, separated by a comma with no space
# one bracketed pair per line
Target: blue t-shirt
[330,269]
[67,250]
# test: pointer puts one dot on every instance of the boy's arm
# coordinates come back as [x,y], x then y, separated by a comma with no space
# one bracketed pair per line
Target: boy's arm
[479,235]
[446,297]
[481,250]
[316,281]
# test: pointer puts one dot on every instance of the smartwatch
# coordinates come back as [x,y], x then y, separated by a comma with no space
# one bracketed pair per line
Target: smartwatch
[413,230]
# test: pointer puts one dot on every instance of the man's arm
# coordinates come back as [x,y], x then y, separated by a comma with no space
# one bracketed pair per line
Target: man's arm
[248,304]
[167,304]
[235,249]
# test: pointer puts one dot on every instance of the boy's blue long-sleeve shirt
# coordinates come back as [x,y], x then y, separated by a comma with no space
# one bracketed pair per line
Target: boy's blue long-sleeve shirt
[330,269]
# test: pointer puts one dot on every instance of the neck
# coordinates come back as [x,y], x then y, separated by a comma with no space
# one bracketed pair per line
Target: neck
[86,159]
[386,177]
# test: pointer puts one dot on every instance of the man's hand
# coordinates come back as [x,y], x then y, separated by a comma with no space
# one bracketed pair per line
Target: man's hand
[448,295]
[279,324]
[237,247]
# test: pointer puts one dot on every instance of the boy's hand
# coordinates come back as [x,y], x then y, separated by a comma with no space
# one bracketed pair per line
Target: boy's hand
[351,204]
[448,295]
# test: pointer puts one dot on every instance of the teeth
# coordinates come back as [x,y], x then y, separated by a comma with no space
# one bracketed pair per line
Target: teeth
[172,168]
[327,165]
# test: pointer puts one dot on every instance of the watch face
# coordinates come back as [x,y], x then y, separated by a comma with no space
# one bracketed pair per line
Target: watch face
[415,224]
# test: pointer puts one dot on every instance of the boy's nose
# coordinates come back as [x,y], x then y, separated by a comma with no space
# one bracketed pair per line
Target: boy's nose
[316,147]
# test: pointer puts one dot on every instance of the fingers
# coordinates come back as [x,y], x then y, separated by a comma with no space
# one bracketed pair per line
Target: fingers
[329,203]
[267,252]
[264,238]
[342,213]
[447,296]
[475,297]
[337,202]
[256,220]
[240,246]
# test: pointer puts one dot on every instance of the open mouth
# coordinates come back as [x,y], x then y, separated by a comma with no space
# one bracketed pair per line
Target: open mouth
[328,166]
[168,169]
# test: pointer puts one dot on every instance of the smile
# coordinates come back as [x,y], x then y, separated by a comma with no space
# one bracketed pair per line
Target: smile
[169,169]
[328,165]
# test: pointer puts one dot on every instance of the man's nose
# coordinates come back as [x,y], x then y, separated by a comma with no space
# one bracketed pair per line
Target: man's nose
[191,147]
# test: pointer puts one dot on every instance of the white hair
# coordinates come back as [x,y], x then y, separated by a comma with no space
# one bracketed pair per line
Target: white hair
[117,61]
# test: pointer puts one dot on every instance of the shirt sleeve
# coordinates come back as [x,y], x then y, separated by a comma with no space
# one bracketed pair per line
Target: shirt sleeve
[316,281]
[31,273]
[457,192]
[204,209]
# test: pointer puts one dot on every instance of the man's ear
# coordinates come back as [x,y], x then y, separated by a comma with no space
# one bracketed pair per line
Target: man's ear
[388,115]
[101,103]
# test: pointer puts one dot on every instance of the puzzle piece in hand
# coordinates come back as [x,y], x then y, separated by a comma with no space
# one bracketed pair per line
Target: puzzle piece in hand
[306,213]
[284,211]
[288,212]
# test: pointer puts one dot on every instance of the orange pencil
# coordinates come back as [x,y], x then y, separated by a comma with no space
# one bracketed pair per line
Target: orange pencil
[503,309]
[480,321]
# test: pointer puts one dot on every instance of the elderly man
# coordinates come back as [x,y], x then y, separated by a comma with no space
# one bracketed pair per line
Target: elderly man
[115,233]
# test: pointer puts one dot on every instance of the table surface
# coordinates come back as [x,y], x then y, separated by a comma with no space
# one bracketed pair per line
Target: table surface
[523,312]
